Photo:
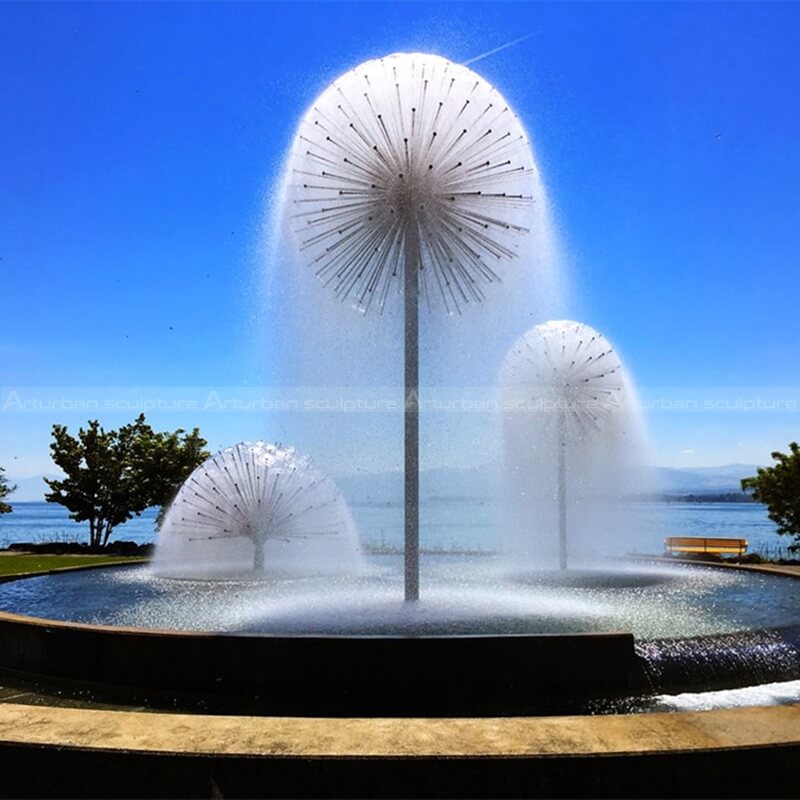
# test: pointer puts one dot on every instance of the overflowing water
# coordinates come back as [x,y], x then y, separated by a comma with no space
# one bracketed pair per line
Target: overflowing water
[762,656]
[766,694]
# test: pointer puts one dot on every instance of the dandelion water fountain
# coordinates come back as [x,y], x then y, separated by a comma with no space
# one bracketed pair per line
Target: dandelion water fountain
[568,395]
[410,176]
[259,498]
[409,190]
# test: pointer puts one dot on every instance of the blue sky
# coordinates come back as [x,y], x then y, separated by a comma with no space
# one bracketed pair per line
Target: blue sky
[140,144]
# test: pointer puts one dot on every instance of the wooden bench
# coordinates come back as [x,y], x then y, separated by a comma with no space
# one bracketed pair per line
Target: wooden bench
[699,544]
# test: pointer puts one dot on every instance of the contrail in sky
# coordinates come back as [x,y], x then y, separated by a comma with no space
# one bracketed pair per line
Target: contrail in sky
[498,49]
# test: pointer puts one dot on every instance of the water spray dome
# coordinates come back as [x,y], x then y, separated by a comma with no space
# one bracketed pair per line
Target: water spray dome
[253,507]
[569,367]
[410,153]
[570,371]
[410,175]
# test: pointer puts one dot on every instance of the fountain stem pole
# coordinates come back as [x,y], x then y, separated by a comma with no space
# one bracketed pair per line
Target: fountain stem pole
[258,555]
[411,324]
[562,491]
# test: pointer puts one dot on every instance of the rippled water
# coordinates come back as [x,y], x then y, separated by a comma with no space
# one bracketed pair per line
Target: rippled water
[459,596]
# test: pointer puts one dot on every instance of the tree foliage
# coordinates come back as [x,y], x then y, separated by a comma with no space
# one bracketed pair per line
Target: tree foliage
[112,476]
[5,490]
[778,487]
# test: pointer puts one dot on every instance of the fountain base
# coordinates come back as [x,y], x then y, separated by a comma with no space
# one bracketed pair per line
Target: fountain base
[299,675]
[531,644]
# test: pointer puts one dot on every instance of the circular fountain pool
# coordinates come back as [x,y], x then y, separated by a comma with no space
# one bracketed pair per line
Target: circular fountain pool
[479,641]
[462,597]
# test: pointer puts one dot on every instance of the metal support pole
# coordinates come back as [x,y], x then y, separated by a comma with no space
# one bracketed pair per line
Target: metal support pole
[411,321]
[259,555]
[562,491]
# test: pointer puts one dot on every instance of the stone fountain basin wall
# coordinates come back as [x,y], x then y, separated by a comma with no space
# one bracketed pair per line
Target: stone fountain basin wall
[302,674]
[62,752]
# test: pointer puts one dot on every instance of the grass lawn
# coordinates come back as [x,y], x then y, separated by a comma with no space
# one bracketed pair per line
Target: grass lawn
[15,564]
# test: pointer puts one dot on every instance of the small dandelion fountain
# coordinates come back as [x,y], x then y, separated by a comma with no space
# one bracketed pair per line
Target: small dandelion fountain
[258,493]
[410,175]
[569,369]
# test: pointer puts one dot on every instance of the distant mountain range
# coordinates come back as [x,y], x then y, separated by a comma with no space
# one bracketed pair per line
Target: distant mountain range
[481,482]
[703,480]
[476,483]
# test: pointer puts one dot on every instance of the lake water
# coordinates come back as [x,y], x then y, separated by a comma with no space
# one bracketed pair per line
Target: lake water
[446,525]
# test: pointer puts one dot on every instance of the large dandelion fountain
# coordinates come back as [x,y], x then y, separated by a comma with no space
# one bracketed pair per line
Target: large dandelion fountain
[567,383]
[258,505]
[410,176]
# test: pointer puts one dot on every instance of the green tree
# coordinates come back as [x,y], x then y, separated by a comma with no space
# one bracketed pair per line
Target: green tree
[112,476]
[5,491]
[778,487]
